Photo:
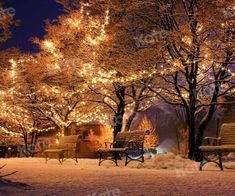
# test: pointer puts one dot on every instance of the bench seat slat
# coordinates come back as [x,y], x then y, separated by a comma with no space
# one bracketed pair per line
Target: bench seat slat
[112,149]
[55,150]
[221,147]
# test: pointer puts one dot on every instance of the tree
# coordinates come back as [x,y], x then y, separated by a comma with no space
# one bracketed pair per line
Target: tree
[200,48]
[69,51]
[7,20]
[79,41]
[127,90]
[17,115]
[49,86]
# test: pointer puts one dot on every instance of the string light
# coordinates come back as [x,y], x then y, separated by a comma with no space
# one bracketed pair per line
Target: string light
[49,45]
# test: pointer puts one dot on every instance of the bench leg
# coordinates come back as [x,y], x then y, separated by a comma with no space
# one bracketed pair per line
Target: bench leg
[61,157]
[126,162]
[204,160]
[100,159]
[142,156]
[201,161]
[220,162]
[46,157]
[115,160]
[61,161]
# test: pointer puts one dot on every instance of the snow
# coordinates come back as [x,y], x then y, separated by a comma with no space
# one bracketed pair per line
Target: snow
[165,175]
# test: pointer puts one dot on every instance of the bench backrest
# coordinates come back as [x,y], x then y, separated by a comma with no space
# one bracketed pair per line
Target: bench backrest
[227,134]
[123,138]
[68,140]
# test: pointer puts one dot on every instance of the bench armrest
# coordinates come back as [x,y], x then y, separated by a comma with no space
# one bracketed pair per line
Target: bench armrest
[212,140]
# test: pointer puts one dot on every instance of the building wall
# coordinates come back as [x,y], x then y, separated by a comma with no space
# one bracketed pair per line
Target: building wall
[87,149]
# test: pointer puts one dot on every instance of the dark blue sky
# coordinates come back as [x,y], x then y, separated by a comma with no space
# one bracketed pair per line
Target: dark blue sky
[32,14]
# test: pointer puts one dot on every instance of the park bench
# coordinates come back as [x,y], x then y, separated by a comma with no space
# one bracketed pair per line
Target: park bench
[225,143]
[67,148]
[130,144]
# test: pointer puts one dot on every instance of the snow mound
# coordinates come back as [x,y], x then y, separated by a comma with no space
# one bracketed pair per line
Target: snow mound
[171,161]
[168,161]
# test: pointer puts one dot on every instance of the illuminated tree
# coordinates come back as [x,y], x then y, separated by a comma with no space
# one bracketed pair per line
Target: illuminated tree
[6,22]
[151,140]
[200,48]
[126,92]
[51,84]
[20,119]
[68,54]
[79,46]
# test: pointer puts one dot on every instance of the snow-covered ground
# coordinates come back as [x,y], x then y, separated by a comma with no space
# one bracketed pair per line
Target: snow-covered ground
[167,175]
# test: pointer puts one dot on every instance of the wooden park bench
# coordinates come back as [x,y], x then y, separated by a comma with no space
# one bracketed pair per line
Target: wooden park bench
[225,143]
[67,148]
[130,143]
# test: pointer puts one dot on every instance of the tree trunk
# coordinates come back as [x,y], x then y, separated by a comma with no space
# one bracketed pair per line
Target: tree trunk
[129,121]
[34,139]
[117,125]
[204,122]
[118,120]
[201,130]
[118,117]
[199,141]
[25,150]
[191,142]
[66,131]
[32,148]
[131,118]
[191,135]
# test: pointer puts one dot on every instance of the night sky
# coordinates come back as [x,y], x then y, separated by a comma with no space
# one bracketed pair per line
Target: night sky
[32,14]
